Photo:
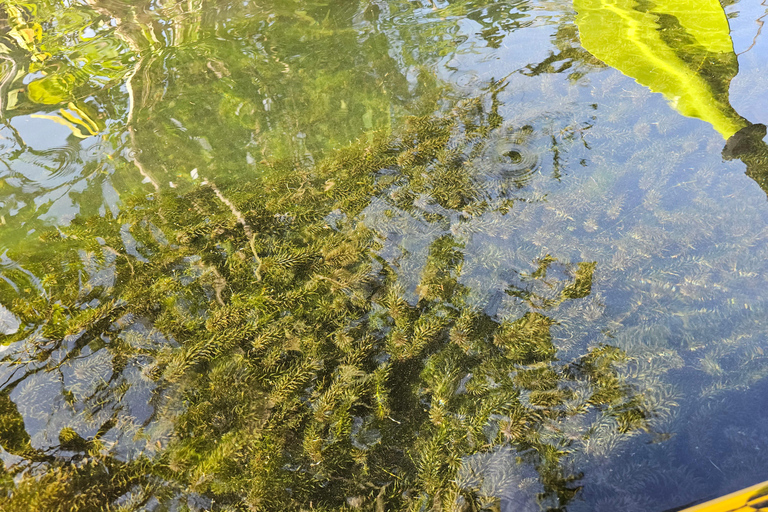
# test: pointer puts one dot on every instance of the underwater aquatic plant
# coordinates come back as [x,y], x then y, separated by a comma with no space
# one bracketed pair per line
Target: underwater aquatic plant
[290,359]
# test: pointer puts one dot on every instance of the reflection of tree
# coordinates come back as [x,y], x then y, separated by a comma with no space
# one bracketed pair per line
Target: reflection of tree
[77,59]
[570,57]
[322,380]
[281,78]
[250,81]
[67,72]
[63,70]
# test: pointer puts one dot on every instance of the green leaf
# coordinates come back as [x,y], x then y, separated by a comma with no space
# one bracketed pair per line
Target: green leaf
[668,46]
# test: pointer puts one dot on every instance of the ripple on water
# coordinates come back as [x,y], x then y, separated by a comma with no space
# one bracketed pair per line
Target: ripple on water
[49,168]
[506,155]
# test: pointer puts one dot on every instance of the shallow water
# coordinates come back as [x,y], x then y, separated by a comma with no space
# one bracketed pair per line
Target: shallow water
[381,256]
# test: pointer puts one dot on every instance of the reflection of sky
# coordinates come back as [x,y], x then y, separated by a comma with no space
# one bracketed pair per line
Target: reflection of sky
[9,324]
[46,173]
[501,473]
[39,133]
[749,90]
[470,70]
[84,393]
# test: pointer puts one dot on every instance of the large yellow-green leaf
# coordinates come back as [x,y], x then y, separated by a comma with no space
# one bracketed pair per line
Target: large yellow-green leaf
[679,48]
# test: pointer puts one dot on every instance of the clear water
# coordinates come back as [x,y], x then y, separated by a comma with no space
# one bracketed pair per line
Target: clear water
[376,256]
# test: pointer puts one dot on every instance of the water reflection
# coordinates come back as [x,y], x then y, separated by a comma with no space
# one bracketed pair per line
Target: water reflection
[314,299]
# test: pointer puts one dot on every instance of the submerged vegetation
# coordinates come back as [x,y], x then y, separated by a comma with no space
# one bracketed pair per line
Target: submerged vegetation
[290,364]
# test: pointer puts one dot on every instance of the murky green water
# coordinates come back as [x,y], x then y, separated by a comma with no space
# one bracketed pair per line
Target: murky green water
[385,255]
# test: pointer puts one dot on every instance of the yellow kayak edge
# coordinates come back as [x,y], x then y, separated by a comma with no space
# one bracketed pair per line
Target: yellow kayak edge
[750,499]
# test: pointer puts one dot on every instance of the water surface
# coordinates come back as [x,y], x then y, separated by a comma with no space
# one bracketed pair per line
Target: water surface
[382,255]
